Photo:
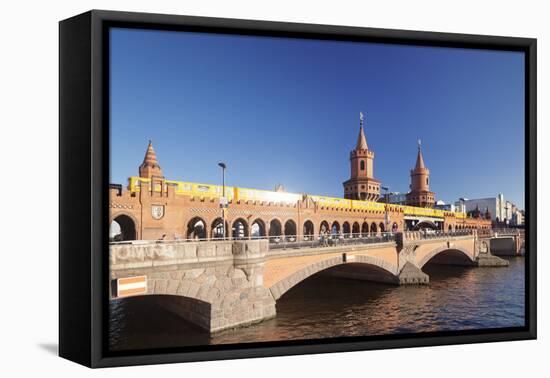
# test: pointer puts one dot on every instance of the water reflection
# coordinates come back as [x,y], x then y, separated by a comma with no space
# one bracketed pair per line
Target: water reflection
[457,298]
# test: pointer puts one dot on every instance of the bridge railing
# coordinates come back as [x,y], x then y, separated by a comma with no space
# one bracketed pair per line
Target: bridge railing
[435,234]
[507,231]
[286,241]
[327,240]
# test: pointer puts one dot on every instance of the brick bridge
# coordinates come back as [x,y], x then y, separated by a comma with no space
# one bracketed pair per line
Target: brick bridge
[222,284]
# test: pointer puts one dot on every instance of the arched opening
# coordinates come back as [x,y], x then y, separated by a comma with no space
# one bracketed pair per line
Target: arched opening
[290,230]
[239,229]
[382,227]
[257,230]
[395,227]
[362,165]
[425,225]
[373,228]
[218,229]
[335,229]
[275,230]
[324,272]
[160,310]
[355,230]
[346,229]
[450,228]
[446,257]
[309,230]
[196,229]
[364,229]
[122,228]
[324,228]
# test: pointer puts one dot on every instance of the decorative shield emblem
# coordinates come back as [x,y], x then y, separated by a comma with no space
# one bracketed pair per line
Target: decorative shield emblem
[157,211]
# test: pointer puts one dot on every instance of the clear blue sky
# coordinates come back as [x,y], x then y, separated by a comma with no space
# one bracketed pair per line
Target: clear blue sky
[280,110]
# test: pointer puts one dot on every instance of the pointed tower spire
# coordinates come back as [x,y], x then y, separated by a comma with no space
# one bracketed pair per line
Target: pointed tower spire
[419,157]
[361,139]
[362,185]
[420,194]
[150,166]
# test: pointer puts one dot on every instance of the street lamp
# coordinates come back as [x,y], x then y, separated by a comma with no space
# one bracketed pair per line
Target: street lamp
[223,200]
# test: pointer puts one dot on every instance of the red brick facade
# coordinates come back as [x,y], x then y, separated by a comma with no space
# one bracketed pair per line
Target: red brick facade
[420,194]
[158,211]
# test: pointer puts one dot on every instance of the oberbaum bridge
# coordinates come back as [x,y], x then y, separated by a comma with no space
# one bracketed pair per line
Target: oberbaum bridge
[221,257]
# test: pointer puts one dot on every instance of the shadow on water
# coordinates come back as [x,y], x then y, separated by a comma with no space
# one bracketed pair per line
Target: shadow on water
[323,306]
[139,323]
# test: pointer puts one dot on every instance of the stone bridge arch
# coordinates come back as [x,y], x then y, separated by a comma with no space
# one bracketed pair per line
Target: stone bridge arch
[368,264]
[193,310]
[219,285]
[451,255]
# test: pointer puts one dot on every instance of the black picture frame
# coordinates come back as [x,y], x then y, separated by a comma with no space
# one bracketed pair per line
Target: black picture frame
[83,181]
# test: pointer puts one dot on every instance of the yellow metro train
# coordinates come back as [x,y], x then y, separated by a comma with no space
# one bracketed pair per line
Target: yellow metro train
[234,194]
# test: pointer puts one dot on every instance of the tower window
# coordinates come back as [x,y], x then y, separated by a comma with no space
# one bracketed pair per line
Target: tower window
[362,165]
[427,181]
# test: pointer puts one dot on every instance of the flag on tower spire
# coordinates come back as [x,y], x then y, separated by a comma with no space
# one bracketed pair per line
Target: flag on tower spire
[419,157]
[361,139]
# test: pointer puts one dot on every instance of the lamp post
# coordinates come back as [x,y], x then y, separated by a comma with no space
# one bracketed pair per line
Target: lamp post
[223,200]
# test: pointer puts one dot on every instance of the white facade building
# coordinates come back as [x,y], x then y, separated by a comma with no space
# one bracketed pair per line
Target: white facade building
[502,211]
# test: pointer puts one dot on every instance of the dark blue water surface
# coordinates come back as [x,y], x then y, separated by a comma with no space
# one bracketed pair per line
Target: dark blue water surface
[457,298]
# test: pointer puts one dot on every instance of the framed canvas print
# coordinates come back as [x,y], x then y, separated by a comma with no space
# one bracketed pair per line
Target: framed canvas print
[234,188]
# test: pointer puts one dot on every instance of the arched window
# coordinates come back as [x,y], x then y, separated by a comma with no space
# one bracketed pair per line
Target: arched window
[324,228]
[355,230]
[335,229]
[308,229]
[196,229]
[218,229]
[257,230]
[346,229]
[275,228]
[290,230]
[362,165]
[239,229]
[364,229]
[123,228]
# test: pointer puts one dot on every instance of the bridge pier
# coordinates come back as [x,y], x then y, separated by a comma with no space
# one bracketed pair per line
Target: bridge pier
[410,274]
[215,285]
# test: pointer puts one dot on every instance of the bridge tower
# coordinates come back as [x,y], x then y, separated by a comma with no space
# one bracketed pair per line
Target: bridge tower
[150,167]
[420,194]
[362,185]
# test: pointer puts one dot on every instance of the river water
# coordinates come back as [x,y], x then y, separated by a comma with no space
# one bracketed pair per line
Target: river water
[457,298]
